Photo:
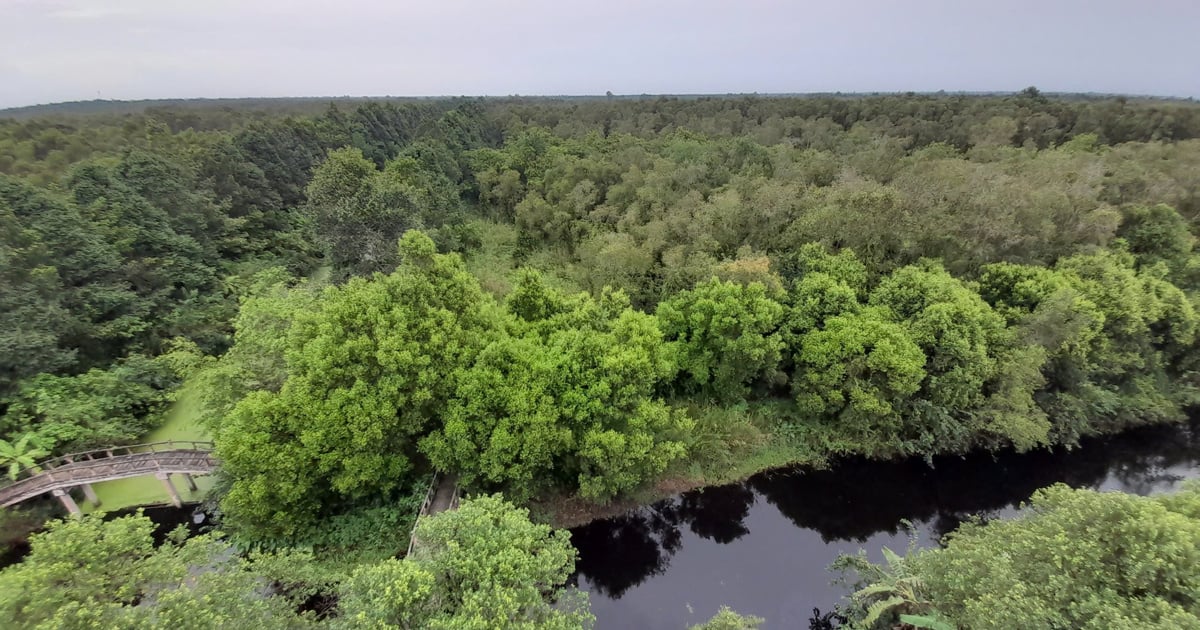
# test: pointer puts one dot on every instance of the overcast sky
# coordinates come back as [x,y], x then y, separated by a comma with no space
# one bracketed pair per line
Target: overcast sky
[60,50]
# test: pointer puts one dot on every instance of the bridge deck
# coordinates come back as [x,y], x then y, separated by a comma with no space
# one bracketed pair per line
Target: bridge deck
[445,497]
[442,496]
[117,463]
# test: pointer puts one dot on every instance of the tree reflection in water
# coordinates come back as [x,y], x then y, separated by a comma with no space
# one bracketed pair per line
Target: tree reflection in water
[641,543]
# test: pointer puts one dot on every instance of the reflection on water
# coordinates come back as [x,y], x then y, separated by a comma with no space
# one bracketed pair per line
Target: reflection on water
[762,547]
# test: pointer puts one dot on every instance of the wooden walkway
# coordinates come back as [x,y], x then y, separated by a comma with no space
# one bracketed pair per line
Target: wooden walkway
[60,474]
[441,497]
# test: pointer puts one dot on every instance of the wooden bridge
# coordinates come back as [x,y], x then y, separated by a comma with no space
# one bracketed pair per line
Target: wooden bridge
[59,475]
[80,470]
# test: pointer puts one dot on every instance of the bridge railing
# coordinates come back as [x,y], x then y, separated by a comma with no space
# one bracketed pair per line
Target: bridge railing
[101,457]
[412,535]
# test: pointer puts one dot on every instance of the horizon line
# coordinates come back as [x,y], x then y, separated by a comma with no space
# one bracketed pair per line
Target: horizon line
[1049,93]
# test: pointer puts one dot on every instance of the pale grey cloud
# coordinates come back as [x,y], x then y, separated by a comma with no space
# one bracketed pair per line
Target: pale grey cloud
[54,50]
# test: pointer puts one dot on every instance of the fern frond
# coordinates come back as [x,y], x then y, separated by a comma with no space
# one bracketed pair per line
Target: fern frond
[893,560]
[879,608]
[874,589]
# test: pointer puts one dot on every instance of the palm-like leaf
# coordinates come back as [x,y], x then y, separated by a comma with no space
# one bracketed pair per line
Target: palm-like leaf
[19,455]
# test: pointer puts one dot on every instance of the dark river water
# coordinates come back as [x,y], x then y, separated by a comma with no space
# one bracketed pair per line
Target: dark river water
[763,547]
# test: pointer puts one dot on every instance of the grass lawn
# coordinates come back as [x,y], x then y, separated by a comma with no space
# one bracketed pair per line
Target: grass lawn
[180,424]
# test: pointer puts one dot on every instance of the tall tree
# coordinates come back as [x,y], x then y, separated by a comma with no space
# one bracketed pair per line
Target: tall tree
[567,402]
[370,369]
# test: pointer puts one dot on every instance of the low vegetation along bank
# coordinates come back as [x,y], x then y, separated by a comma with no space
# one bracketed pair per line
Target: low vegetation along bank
[580,305]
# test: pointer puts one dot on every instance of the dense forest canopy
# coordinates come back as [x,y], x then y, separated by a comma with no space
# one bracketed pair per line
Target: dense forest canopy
[577,298]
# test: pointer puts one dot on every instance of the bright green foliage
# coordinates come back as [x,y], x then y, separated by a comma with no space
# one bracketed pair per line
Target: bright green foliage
[812,258]
[19,455]
[727,619]
[890,590]
[978,381]
[927,622]
[568,401]
[860,369]
[94,409]
[1076,559]
[370,370]
[257,359]
[726,335]
[91,573]
[483,566]
[815,298]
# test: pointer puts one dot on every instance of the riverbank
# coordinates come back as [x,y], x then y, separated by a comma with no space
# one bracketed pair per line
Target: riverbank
[777,450]
[762,444]
[763,546]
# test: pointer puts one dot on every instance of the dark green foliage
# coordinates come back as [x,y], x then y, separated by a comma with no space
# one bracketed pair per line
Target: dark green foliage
[359,212]
[362,534]
[1158,234]
[1113,337]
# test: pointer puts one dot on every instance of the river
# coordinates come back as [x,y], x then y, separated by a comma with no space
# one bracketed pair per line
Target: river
[763,547]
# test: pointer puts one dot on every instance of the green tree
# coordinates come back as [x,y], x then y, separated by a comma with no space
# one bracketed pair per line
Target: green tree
[1114,337]
[92,573]
[727,619]
[257,359]
[94,409]
[1160,234]
[370,370]
[567,402]
[32,316]
[360,211]
[860,370]
[483,565]
[814,299]
[979,381]
[1075,559]
[727,336]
